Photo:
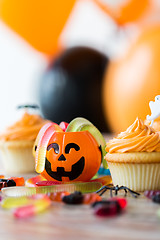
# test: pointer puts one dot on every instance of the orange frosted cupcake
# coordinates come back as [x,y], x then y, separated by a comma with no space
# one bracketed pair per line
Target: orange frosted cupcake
[134,157]
[17,141]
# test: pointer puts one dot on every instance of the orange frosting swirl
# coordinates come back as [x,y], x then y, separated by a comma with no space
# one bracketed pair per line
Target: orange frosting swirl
[26,128]
[137,138]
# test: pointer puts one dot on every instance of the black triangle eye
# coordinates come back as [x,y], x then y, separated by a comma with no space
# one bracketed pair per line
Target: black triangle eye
[71,145]
[55,146]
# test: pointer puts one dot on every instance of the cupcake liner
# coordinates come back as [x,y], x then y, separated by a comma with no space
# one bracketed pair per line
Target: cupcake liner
[17,157]
[136,176]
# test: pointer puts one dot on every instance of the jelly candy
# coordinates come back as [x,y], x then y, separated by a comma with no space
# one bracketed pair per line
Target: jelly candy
[58,196]
[28,191]
[13,202]
[10,182]
[37,206]
[156,198]
[47,183]
[151,193]
[31,182]
[73,198]
[7,183]
[111,207]
[91,198]
[64,126]
[18,180]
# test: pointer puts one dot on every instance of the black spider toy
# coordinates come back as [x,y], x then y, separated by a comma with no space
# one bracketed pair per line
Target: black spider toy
[116,189]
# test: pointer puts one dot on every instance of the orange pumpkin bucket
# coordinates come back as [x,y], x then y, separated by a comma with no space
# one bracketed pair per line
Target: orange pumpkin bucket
[71,156]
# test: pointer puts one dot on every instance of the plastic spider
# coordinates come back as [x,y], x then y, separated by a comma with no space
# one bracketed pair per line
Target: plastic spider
[116,189]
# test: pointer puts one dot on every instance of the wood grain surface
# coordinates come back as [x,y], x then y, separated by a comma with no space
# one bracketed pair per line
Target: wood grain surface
[63,222]
[60,221]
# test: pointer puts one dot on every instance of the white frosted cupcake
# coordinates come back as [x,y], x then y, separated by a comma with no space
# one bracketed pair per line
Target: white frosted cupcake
[16,144]
[134,157]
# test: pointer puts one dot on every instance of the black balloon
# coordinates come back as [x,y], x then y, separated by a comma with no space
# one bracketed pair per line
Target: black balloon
[72,87]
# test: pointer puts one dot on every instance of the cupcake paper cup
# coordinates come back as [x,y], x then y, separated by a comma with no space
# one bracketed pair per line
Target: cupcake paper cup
[137,171]
[17,157]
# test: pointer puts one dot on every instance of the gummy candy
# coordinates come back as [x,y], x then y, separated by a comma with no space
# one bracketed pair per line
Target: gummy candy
[18,180]
[73,198]
[151,193]
[28,191]
[48,183]
[111,207]
[156,198]
[37,206]
[31,182]
[58,196]
[7,183]
[13,202]
[64,126]
[91,198]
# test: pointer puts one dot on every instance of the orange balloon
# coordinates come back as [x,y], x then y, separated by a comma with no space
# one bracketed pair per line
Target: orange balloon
[127,11]
[39,22]
[133,81]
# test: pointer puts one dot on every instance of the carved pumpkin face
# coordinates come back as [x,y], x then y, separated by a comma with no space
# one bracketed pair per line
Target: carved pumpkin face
[71,156]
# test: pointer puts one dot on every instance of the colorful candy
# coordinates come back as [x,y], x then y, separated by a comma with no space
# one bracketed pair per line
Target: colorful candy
[108,208]
[91,198]
[31,182]
[156,198]
[73,198]
[88,198]
[41,181]
[7,183]
[27,206]
[11,181]
[78,198]
[57,196]
[41,144]
[150,194]
[28,191]
[13,202]
[64,126]
[36,207]
[47,183]
[18,180]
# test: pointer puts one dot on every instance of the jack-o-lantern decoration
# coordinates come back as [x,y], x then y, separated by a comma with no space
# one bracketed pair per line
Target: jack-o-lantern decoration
[67,156]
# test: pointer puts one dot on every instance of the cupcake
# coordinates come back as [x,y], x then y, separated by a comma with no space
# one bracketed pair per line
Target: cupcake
[16,144]
[134,157]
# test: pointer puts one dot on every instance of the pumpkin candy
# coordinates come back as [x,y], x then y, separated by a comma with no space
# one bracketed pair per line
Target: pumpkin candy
[68,156]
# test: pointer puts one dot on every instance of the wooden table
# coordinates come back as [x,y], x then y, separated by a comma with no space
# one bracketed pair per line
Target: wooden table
[63,222]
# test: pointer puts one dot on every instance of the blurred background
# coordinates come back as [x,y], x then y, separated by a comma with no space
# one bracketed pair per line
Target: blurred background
[98,59]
